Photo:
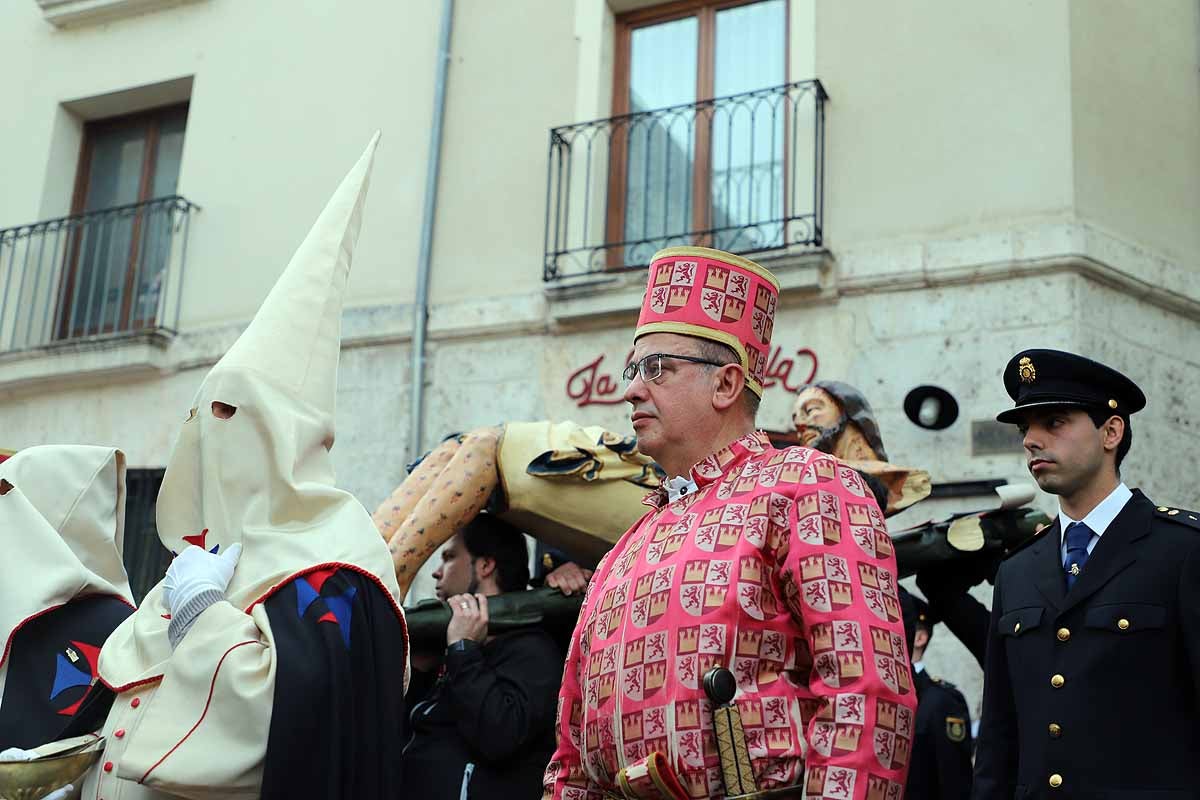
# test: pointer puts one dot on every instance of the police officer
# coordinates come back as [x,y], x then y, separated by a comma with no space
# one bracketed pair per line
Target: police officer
[1092,685]
[940,767]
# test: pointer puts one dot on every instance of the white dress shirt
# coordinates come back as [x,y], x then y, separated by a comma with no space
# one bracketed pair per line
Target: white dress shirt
[678,486]
[1098,519]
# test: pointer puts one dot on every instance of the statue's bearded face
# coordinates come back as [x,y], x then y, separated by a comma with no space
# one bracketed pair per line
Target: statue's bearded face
[818,419]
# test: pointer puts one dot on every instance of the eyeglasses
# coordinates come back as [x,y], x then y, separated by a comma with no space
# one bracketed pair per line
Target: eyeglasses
[650,367]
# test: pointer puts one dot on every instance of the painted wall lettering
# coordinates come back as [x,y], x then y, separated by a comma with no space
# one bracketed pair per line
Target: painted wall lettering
[591,385]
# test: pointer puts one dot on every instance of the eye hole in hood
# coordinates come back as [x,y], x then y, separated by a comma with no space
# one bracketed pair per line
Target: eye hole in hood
[223,410]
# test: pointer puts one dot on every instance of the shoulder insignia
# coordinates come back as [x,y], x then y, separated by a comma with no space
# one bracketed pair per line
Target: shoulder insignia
[945,684]
[1180,515]
[1037,534]
[956,729]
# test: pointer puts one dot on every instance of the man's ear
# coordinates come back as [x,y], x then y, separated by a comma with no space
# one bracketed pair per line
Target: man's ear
[485,567]
[730,380]
[920,639]
[1111,432]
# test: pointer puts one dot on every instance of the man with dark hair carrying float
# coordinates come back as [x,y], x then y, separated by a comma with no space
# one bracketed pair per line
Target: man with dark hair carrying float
[271,661]
[482,724]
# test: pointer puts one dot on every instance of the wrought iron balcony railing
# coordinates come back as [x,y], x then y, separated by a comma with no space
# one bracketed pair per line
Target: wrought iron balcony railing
[103,273]
[742,173]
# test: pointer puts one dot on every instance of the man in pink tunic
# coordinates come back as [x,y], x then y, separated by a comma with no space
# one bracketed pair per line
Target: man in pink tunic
[773,564]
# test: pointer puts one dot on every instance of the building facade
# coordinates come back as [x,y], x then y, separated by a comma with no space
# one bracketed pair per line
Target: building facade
[936,185]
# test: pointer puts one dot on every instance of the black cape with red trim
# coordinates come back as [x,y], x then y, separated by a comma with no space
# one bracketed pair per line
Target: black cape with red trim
[337,724]
[52,671]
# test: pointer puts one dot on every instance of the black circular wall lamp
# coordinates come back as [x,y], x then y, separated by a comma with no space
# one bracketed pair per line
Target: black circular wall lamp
[931,407]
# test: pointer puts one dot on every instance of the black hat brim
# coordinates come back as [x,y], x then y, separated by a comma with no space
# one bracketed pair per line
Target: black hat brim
[1013,415]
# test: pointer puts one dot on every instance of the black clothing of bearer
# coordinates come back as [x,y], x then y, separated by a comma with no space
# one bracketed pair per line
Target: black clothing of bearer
[485,728]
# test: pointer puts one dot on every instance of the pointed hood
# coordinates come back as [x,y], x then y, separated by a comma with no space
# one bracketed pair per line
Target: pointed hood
[295,338]
[62,507]
[252,462]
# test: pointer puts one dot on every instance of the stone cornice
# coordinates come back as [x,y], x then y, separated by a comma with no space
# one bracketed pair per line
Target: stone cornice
[612,299]
[76,13]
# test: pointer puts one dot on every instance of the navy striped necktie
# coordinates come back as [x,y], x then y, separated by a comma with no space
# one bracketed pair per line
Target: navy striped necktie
[1077,538]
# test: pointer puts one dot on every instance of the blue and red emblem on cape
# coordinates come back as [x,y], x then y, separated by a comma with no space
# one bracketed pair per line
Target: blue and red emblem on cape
[198,539]
[351,723]
[338,605]
[74,666]
[51,689]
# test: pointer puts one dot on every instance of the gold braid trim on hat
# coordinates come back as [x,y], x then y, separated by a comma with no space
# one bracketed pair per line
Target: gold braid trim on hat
[701,332]
[718,255]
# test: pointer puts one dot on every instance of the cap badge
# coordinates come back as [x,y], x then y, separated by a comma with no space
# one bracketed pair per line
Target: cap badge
[1027,370]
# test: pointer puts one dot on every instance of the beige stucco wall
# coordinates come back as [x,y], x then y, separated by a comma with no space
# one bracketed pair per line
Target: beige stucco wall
[284,98]
[958,147]
[996,178]
[1135,107]
[944,117]
[943,122]
[512,78]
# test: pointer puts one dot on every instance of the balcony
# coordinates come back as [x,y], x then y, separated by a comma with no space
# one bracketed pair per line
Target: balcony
[743,173]
[98,275]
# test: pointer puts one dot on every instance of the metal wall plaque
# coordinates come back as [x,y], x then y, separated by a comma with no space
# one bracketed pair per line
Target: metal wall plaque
[991,438]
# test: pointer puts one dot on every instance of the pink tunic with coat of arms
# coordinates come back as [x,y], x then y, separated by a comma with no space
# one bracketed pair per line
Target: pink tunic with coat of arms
[779,568]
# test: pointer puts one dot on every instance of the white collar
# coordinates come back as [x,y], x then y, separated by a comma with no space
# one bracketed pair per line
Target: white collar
[1100,517]
[678,486]
[918,667]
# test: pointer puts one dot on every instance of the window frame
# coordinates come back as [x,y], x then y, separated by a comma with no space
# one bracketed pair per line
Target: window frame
[151,120]
[706,13]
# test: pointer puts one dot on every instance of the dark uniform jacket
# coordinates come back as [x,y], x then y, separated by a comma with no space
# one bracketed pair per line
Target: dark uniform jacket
[485,729]
[1093,693]
[940,768]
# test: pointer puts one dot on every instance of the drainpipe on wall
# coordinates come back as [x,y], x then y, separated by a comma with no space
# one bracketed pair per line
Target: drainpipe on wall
[421,304]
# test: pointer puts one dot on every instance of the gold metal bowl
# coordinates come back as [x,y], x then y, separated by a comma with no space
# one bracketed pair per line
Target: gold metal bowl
[33,780]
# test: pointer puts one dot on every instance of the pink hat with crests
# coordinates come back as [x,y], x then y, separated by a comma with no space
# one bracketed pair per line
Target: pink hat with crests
[696,291]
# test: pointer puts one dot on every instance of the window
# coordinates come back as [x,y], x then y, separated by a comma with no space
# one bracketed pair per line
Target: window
[146,560]
[120,248]
[699,171]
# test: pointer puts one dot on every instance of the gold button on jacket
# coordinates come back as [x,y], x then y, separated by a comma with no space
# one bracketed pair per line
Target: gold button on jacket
[1057,681]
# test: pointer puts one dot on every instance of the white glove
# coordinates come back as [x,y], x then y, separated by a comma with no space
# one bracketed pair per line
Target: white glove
[60,794]
[196,571]
[17,754]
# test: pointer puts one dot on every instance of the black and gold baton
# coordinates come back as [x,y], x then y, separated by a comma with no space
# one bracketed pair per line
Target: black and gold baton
[720,686]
